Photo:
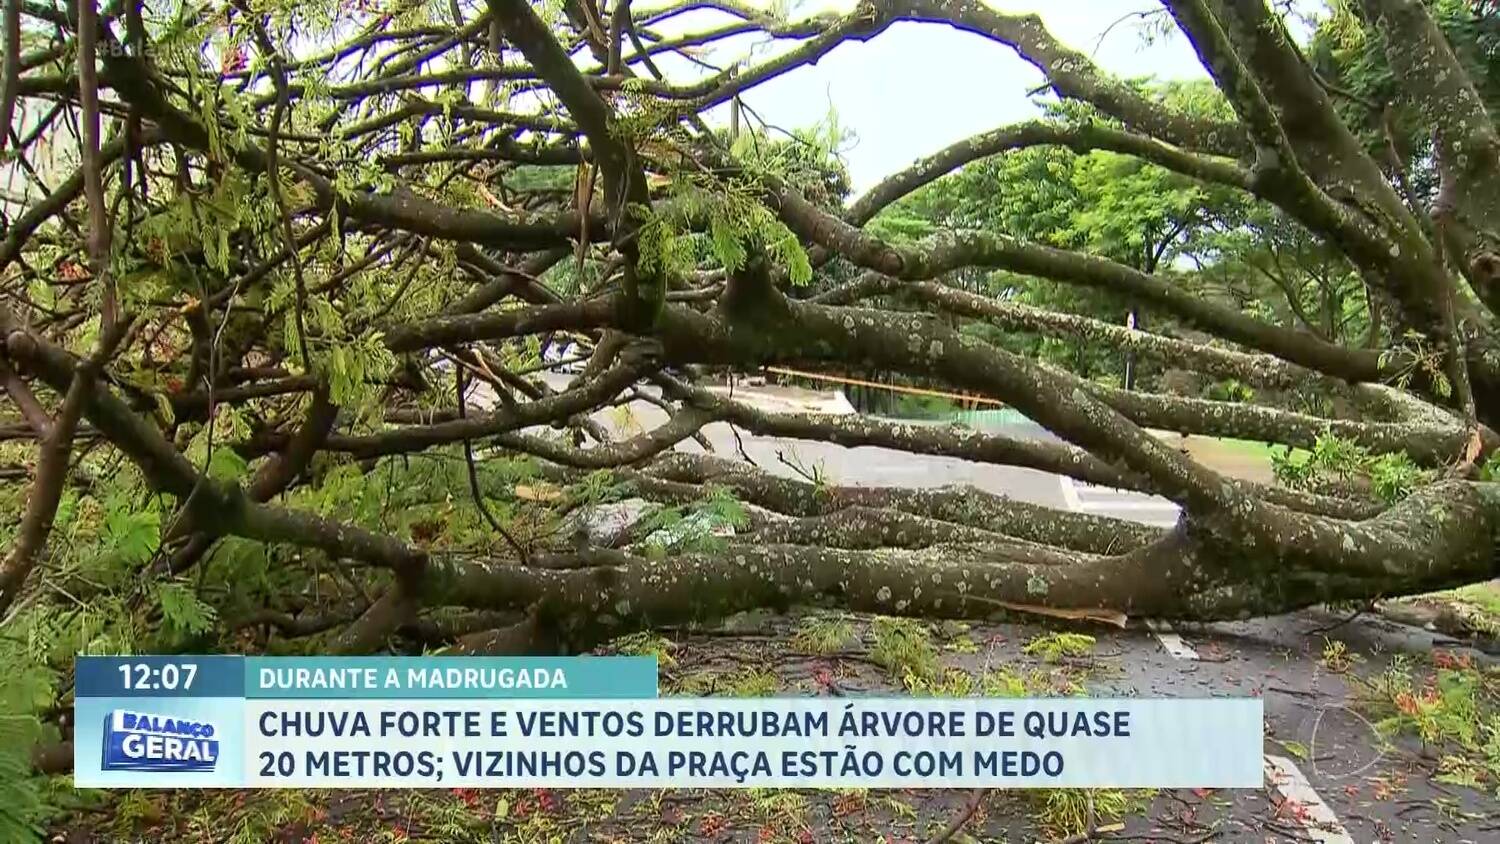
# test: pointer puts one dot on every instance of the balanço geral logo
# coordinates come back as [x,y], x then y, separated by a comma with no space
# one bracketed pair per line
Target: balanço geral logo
[141,741]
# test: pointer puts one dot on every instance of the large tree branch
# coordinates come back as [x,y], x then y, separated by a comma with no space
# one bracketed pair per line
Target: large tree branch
[10,73]
[590,603]
[1325,146]
[856,527]
[624,181]
[856,430]
[1080,138]
[1278,172]
[1430,444]
[680,426]
[948,251]
[964,505]
[1465,138]
[100,227]
[411,438]
[1260,370]
[1178,576]
[26,401]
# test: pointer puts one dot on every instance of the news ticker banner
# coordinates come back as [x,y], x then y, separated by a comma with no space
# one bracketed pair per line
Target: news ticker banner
[424,722]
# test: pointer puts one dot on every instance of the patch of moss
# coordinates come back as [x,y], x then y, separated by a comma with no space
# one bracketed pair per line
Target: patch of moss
[1053,647]
[903,647]
[822,635]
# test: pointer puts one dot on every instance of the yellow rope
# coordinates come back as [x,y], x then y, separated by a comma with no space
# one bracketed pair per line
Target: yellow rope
[916,391]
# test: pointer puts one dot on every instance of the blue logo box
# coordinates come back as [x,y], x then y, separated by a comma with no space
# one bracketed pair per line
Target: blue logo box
[141,741]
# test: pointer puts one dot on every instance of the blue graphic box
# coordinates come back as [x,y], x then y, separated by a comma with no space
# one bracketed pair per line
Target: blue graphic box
[143,741]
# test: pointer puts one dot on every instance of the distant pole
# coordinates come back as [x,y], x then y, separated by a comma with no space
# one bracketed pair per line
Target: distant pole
[734,109]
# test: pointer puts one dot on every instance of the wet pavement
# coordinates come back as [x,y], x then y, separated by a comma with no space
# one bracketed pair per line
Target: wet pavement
[1331,775]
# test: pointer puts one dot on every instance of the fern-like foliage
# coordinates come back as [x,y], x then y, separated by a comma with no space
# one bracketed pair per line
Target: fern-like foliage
[698,526]
[183,613]
[719,222]
[25,687]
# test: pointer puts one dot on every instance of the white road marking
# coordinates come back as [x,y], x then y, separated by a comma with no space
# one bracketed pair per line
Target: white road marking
[1130,505]
[1314,815]
[1070,493]
[1163,631]
[1103,500]
[1170,640]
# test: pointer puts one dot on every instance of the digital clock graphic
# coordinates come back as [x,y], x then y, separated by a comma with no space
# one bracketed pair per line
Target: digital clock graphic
[142,676]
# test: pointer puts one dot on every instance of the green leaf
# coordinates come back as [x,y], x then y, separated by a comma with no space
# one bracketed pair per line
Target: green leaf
[183,613]
[134,535]
[226,465]
[727,245]
[1296,748]
[799,268]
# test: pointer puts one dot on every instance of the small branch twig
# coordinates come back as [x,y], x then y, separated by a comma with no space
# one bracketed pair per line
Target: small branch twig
[273,174]
[10,82]
[484,510]
[93,164]
[25,400]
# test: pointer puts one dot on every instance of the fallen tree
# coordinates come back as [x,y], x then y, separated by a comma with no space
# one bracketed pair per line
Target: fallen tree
[312,248]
